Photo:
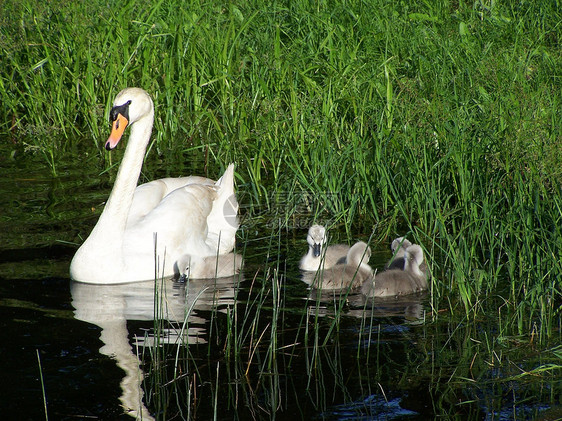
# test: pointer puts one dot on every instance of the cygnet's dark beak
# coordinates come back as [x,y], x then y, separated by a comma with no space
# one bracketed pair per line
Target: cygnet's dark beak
[316,249]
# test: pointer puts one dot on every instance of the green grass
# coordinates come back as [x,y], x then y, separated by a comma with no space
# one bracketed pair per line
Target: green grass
[440,120]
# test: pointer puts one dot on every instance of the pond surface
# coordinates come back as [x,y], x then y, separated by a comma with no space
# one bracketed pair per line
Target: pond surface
[258,346]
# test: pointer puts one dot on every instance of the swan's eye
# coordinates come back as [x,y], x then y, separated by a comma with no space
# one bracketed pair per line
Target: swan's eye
[120,109]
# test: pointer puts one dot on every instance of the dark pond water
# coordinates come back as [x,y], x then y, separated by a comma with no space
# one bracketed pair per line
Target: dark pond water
[259,346]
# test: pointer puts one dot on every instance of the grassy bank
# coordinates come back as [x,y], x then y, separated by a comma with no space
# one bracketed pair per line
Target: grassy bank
[441,121]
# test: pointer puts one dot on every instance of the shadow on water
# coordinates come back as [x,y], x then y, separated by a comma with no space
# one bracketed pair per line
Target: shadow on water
[263,348]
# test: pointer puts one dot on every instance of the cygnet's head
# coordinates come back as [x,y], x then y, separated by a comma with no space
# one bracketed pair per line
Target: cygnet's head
[316,238]
[414,256]
[399,245]
[183,267]
[358,254]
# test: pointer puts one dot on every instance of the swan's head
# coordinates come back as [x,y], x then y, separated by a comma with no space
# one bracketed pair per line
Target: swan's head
[399,245]
[358,254]
[130,105]
[316,238]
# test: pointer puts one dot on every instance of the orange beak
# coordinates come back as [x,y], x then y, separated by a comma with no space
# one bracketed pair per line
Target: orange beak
[119,126]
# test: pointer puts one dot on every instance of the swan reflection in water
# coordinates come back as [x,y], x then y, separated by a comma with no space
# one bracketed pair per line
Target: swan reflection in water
[110,306]
[410,308]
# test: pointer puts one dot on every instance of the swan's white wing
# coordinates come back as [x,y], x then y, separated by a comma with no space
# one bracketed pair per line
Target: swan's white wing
[223,219]
[180,222]
[149,195]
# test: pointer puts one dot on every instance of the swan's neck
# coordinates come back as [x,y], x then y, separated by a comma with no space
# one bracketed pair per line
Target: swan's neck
[356,258]
[413,267]
[365,266]
[113,219]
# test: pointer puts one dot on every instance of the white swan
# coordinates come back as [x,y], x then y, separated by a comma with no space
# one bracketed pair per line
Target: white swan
[396,282]
[317,255]
[209,267]
[352,273]
[165,218]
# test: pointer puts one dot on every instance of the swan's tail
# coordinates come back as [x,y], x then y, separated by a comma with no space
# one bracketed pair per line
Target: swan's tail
[223,219]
